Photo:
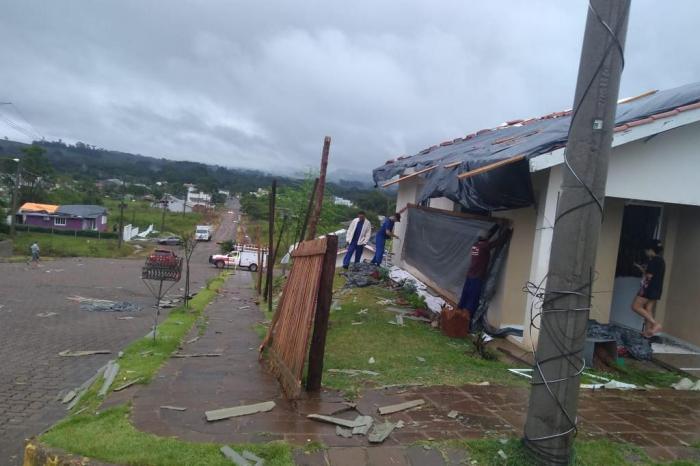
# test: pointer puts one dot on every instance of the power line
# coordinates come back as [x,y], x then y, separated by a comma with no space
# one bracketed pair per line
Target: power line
[16,126]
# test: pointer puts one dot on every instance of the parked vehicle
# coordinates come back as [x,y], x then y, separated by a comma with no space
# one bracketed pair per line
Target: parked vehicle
[246,258]
[170,240]
[203,233]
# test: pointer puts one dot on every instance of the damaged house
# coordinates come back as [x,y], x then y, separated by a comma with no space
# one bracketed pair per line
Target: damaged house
[512,175]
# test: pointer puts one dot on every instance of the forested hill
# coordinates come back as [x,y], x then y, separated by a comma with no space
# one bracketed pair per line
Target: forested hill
[85,162]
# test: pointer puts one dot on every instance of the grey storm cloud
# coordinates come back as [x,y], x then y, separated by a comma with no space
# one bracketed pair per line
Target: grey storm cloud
[259,84]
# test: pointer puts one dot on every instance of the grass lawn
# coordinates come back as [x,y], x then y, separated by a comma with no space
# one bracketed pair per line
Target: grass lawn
[70,246]
[109,436]
[586,453]
[355,335]
[141,214]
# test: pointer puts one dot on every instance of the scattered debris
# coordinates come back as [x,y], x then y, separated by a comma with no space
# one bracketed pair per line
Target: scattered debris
[127,385]
[69,353]
[401,406]
[253,457]
[364,424]
[231,454]
[244,307]
[359,275]
[386,302]
[420,359]
[342,432]
[345,406]
[380,432]
[453,414]
[502,454]
[109,376]
[125,318]
[401,424]
[225,413]
[174,408]
[47,314]
[82,390]
[399,319]
[69,397]
[196,355]
[637,346]
[146,353]
[334,420]
[362,311]
[192,340]
[687,384]
[104,305]
[371,360]
[356,323]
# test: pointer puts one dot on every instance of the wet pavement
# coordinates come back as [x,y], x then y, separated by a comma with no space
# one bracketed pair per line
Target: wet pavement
[663,422]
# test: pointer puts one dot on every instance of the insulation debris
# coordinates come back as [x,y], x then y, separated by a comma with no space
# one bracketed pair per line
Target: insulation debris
[334,420]
[400,276]
[352,372]
[109,376]
[174,408]
[380,432]
[104,305]
[225,413]
[400,407]
[364,424]
[342,432]
[687,384]
[69,353]
[127,385]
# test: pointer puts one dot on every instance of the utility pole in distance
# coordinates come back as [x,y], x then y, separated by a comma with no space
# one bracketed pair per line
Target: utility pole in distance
[551,418]
[15,198]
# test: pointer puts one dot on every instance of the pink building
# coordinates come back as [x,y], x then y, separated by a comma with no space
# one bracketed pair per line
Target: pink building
[64,217]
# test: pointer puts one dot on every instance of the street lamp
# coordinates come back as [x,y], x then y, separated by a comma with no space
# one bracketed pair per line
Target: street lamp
[15,196]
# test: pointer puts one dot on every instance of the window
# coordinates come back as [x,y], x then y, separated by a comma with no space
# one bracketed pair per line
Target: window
[59,221]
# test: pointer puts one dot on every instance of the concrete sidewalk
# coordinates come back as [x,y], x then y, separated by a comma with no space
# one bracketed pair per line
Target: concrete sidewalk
[663,422]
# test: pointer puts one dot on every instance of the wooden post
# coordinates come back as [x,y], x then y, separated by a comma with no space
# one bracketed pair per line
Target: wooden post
[323,309]
[316,216]
[308,211]
[270,249]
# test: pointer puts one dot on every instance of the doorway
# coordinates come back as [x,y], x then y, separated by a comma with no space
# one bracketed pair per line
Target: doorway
[640,223]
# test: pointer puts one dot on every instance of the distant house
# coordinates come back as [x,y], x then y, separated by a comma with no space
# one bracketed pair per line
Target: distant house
[340,201]
[64,217]
[198,198]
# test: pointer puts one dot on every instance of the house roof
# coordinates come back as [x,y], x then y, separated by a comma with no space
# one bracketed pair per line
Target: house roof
[83,211]
[536,136]
[33,207]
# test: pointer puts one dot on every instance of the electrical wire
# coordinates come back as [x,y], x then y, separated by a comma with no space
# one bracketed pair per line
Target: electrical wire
[542,302]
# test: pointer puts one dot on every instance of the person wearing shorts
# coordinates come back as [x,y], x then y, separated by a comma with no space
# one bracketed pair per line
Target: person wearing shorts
[651,287]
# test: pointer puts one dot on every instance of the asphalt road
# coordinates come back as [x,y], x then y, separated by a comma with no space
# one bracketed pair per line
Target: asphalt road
[37,321]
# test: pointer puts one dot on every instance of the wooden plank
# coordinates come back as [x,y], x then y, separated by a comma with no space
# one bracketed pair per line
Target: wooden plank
[488,168]
[314,247]
[400,407]
[323,309]
[454,164]
[412,175]
[232,455]
[316,214]
[245,410]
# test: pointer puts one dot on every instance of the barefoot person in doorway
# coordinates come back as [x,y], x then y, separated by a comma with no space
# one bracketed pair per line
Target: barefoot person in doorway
[652,285]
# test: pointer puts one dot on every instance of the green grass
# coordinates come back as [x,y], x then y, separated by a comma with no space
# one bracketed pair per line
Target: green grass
[69,246]
[143,357]
[109,436]
[396,349]
[586,453]
[143,215]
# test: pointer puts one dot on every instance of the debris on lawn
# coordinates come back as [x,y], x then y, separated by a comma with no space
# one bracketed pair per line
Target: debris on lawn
[69,397]
[352,372]
[610,384]
[453,414]
[380,432]
[174,408]
[687,384]
[231,454]
[371,360]
[401,406]
[335,420]
[399,319]
[244,410]
[360,275]
[127,385]
[253,457]
[47,314]
[356,323]
[362,311]
[434,303]
[420,359]
[82,390]
[196,355]
[110,374]
[103,305]
[502,454]
[386,302]
[69,353]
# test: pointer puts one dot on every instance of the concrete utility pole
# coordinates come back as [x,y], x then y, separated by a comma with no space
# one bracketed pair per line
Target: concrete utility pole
[164,203]
[15,198]
[551,417]
[122,206]
[316,216]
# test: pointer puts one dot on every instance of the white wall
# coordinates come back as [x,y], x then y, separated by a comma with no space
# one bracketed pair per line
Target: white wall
[663,169]
[408,193]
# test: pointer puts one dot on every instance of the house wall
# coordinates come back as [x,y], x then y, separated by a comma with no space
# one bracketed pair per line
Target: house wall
[642,169]
[681,317]
[408,193]
[72,224]
[442,203]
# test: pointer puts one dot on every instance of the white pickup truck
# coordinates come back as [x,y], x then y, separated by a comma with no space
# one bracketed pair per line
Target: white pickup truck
[245,258]
[203,233]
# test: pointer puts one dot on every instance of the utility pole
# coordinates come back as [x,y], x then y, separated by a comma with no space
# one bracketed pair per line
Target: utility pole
[122,206]
[164,204]
[551,418]
[316,216]
[270,248]
[15,198]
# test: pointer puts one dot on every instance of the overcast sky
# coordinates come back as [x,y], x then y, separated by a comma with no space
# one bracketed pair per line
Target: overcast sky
[258,84]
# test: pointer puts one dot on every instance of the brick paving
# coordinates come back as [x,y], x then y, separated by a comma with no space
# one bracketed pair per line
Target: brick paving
[31,372]
[663,422]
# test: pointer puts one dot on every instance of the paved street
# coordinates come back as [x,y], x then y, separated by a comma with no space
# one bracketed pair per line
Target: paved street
[31,372]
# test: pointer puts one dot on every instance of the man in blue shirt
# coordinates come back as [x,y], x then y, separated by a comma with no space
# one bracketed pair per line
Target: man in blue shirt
[384,233]
[357,237]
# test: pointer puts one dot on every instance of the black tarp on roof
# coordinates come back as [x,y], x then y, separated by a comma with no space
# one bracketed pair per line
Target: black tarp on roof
[510,187]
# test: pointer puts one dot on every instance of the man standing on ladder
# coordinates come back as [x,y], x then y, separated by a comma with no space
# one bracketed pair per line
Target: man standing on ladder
[357,237]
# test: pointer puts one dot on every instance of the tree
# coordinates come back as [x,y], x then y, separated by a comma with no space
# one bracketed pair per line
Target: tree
[36,170]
